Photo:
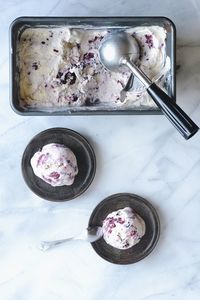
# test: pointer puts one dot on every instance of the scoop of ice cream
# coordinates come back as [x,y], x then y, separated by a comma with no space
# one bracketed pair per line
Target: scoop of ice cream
[123,228]
[55,164]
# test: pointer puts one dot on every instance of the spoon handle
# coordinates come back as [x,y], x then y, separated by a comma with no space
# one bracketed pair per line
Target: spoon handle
[46,245]
[168,106]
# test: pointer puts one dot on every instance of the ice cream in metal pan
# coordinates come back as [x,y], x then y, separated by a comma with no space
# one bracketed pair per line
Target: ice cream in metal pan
[60,67]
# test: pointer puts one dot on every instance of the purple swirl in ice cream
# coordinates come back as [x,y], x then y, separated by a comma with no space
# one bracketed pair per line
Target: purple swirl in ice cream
[55,164]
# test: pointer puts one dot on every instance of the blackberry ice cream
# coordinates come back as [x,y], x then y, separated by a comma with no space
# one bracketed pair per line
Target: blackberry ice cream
[55,164]
[123,228]
[60,68]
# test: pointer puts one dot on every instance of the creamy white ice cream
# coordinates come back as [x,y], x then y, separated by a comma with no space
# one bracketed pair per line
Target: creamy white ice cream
[60,67]
[123,228]
[55,164]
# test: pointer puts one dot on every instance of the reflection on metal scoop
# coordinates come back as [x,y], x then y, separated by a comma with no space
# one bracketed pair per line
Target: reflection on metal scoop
[121,49]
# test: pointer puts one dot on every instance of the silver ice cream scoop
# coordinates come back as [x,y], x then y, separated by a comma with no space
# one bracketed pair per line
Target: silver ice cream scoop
[90,235]
[119,49]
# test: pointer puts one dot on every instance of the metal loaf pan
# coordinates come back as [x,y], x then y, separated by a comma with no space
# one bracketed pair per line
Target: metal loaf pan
[19,24]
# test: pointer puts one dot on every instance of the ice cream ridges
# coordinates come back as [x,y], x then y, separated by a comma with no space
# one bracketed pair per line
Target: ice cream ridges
[55,164]
[123,228]
[60,67]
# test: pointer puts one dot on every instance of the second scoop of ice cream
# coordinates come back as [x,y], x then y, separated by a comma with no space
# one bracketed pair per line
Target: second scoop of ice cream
[55,164]
[123,228]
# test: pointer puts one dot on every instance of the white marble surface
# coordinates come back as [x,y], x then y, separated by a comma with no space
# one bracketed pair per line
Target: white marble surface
[139,154]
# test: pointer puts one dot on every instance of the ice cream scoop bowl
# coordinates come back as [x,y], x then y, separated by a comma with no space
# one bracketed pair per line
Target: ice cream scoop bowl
[121,49]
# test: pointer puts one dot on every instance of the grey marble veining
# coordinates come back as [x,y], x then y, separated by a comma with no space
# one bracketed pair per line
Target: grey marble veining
[139,154]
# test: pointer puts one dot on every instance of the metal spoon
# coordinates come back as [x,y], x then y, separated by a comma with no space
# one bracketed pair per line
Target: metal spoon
[91,234]
[120,49]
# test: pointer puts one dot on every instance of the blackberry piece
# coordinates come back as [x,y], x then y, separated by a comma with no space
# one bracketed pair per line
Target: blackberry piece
[74,98]
[149,40]
[69,77]
[59,75]
[92,41]
[91,101]
[88,56]
[35,66]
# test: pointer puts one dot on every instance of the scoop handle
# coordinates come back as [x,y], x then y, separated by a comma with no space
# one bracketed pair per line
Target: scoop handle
[168,106]
[173,112]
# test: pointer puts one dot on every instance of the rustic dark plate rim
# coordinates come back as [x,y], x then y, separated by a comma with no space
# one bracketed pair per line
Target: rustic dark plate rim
[91,155]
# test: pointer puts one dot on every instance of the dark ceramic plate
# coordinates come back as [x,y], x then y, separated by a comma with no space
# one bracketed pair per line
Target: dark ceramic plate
[147,243]
[85,159]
